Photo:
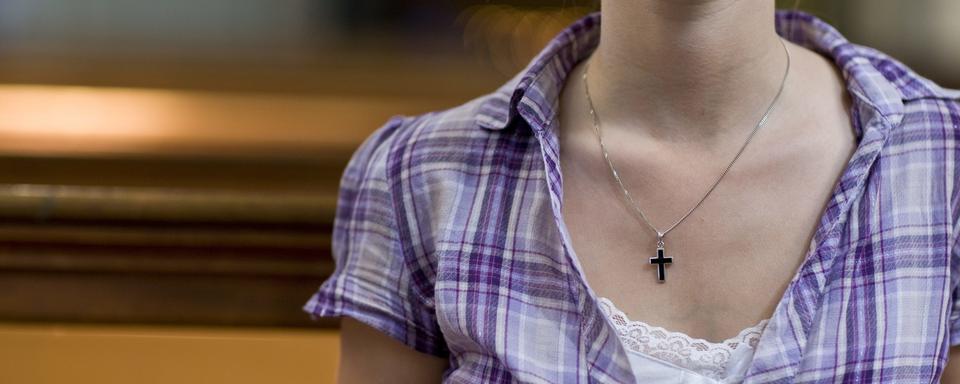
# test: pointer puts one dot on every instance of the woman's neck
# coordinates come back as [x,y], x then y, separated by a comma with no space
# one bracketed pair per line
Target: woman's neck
[685,69]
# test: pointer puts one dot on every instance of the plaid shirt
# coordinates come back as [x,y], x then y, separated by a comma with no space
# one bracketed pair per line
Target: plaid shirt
[448,236]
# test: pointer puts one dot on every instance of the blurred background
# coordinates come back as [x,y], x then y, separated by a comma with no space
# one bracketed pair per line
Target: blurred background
[168,169]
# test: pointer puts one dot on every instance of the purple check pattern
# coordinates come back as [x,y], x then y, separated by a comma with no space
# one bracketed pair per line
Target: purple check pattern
[448,236]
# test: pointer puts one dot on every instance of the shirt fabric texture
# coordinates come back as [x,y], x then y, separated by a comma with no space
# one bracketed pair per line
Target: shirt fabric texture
[448,236]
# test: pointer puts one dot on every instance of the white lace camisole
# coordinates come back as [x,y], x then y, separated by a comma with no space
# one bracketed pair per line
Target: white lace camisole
[660,356]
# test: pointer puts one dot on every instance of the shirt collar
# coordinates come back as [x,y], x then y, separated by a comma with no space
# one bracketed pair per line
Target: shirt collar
[879,82]
[536,89]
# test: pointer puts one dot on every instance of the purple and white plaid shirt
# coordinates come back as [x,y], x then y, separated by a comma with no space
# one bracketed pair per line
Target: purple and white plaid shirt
[449,238]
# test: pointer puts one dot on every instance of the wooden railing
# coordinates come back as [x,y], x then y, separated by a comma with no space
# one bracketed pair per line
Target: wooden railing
[172,207]
[149,255]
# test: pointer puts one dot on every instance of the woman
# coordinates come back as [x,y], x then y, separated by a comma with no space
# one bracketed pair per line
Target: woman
[697,191]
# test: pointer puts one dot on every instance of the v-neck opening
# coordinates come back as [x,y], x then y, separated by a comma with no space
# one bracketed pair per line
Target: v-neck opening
[801,293]
[827,225]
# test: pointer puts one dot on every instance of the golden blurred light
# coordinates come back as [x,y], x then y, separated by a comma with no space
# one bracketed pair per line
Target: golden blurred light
[82,111]
[63,120]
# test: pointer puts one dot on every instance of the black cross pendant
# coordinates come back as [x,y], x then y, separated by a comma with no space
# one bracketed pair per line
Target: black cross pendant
[661,263]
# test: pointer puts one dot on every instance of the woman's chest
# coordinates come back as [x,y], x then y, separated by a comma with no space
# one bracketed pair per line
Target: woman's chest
[727,259]
[508,290]
[730,260]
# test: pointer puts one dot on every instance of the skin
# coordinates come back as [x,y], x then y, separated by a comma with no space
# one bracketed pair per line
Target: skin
[678,85]
[369,356]
[672,121]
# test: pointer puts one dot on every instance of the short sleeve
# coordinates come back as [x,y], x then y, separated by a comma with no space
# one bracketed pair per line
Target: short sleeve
[371,281]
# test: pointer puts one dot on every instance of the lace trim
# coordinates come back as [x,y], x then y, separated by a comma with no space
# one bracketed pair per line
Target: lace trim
[699,355]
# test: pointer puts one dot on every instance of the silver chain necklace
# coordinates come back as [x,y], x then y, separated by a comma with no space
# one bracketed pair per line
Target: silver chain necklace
[660,260]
